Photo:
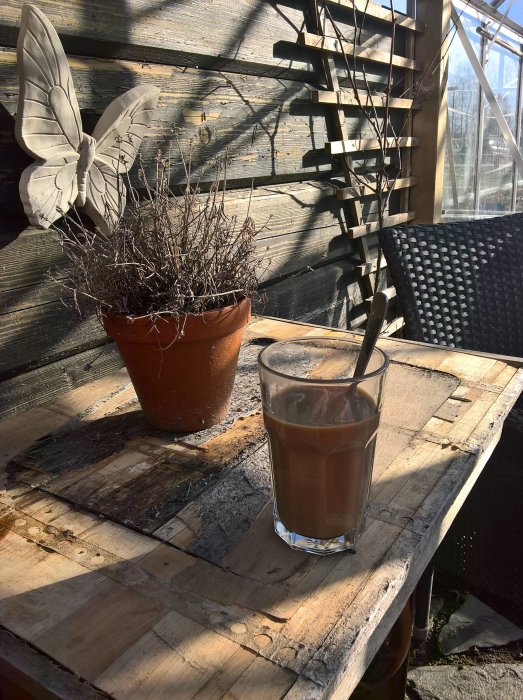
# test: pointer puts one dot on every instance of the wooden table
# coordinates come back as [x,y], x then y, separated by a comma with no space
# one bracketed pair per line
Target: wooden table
[146,565]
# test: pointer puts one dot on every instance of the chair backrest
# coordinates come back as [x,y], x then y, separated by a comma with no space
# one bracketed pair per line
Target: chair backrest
[460,284]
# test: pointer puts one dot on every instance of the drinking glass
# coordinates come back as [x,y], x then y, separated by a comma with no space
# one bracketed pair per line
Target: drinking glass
[321,424]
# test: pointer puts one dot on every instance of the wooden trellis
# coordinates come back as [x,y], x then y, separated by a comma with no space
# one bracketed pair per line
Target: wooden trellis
[345,146]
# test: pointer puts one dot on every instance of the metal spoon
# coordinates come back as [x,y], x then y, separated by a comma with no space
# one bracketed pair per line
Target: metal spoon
[377,313]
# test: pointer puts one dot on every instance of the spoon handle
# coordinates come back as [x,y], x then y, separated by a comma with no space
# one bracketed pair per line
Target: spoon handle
[377,314]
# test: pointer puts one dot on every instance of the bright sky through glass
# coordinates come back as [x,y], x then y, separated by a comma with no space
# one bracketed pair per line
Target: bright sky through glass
[516,11]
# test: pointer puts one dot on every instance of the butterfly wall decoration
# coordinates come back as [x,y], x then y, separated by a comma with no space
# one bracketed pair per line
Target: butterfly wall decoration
[72,168]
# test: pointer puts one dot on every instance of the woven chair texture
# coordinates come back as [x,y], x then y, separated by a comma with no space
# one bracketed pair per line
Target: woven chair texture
[460,284]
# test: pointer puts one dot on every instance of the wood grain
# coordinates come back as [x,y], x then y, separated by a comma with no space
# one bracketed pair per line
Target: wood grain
[239,614]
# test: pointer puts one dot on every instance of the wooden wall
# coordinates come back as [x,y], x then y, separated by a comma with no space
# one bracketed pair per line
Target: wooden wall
[232,76]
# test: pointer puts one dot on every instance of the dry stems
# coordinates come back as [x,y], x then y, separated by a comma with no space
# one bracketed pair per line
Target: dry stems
[166,255]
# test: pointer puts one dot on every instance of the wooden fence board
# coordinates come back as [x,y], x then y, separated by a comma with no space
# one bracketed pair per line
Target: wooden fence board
[254,119]
[327,296]
[248,36]
[232,79]
[332,45]
[48,382]
[219,34]
[44,333]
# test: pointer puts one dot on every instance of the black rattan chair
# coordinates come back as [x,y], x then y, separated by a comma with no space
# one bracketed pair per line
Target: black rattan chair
[460,284]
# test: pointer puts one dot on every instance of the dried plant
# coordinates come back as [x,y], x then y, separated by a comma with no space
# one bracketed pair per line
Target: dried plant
[166,255]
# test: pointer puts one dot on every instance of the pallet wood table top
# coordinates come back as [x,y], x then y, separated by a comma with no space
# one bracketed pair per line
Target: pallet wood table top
[145,564]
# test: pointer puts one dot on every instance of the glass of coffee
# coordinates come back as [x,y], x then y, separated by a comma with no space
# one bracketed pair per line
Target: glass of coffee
[321,423]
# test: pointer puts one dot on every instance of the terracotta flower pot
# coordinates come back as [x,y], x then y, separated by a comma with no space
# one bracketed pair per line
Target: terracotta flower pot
[183,383]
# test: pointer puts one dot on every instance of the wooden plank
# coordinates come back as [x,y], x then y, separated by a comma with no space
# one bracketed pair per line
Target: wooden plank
[177,657]
[262,680]
[394,326]
[191,34]
[255,119]
[370,267]
[373,226]
[344,193]
[151,668]
[56,588]
[391,293]
[429,123]
[355,145]
[120,541]
[40,385]
[324,296]
[372,9]
[287,255]
[27,297]
[227,676]
[35,337]
[300,209]
[332,45]
[345,98]
[20,432]
[109,623]
[36,675]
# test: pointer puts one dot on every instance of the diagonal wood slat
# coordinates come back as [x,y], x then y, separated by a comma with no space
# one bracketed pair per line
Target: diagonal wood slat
[355,145]
[345,98]
[343,193]
[373,226]
[332,45]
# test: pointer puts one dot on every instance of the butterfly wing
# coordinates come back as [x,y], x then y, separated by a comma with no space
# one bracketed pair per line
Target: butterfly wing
[105,195]
[49,190]
[118,137]
[48,122]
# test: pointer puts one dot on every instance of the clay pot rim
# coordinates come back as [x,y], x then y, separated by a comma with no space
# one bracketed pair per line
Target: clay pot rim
[170,315]
[165,327]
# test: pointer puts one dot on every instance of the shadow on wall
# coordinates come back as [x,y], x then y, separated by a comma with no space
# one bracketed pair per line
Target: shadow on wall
[262,147]
[14,221]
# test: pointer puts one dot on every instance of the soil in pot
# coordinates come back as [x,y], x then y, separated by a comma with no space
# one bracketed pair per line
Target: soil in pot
[182,368]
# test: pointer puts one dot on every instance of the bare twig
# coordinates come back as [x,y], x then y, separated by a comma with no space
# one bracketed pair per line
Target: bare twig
[166,255]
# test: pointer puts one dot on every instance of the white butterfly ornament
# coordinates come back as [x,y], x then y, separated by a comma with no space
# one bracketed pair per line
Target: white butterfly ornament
[73,168]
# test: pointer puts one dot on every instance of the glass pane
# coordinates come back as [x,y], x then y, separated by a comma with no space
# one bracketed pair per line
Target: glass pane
[497,165]
[398,5]
[515,12]
[494,174]
[463,101]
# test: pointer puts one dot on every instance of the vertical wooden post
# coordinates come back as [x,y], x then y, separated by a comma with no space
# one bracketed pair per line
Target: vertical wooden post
[430,121]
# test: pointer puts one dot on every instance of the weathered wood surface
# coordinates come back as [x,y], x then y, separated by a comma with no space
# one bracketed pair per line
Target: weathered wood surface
[181,589]
[251,36]
[267,124]
[362,53]
[36,675]
[38,386]
[301,226]
[232,80]
[215,34]
[372,9]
